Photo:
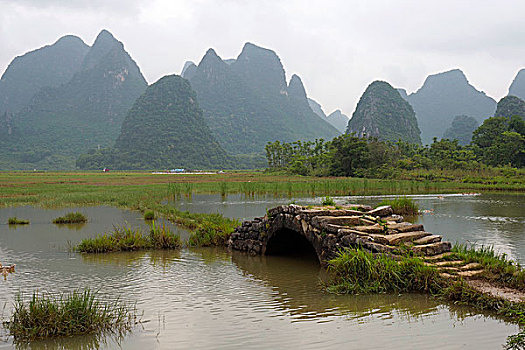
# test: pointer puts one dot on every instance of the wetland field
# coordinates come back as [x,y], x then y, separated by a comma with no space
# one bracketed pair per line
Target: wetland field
[209,297]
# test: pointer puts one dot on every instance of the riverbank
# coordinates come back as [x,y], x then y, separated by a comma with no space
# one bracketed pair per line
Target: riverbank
[131,189]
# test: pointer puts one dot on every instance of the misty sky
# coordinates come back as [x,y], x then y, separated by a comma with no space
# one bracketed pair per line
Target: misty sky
[337,47]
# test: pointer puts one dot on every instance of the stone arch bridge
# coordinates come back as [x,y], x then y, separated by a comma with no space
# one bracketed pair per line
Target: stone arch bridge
[323,231]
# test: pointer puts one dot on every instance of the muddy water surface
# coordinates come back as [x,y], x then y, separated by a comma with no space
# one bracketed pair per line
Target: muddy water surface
[210,298]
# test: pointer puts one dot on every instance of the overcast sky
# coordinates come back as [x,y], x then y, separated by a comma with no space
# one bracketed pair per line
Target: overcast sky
[336,47]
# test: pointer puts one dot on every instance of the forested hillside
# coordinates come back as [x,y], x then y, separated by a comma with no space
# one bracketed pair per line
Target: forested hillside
[382,113]
[163,130]
[61,123]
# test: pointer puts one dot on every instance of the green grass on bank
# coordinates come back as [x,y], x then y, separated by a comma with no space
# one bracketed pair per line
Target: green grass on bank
[66,315]
[355,271]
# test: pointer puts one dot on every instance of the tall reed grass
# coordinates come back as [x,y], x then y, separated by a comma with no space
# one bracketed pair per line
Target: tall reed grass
[402,206]
[69,314]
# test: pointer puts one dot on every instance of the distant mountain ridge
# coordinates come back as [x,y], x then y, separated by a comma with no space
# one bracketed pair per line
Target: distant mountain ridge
[338,120]
[381,112]
[48,66]
[517,87]
[87,111]
[445,95]
[247,102]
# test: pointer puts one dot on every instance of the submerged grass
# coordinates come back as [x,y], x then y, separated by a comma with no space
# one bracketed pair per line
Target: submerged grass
[124,238]
[16,221]
[71,218]
[69,314]
[402,206]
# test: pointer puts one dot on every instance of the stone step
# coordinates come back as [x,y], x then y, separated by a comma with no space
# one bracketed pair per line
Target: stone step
[369,228]
[449,263]
[438,257]
[398,238]
[346,231]
[432,249]
[469,273]
[428,239]
[328,212]
[337,220]
[471,266]
[384,210]
[406,227]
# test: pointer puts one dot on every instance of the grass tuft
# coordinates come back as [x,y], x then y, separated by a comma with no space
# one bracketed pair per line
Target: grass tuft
[149,215]
[124,238]
[402,206]
[71,218]
[328,201]
[16,221]
[69,314]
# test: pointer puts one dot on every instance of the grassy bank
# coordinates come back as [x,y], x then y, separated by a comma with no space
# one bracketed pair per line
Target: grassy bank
[74,313]
[129,189]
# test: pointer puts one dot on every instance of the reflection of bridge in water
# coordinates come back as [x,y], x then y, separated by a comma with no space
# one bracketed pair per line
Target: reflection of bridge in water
[296,230]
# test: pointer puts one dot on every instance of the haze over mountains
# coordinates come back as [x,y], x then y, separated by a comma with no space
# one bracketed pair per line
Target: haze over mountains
[68,99]
[444,96]
[87,111]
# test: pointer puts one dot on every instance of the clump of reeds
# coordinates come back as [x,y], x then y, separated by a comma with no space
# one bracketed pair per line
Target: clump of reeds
[328,201]
[71,218]
[149,215]
[402,206]
[356,271]
[215,230]
[16,221]
[69,314]
[124,238]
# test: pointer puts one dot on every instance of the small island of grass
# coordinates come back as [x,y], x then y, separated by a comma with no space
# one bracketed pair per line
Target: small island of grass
[16,221]
[126,239]
[69,314]
[71,218]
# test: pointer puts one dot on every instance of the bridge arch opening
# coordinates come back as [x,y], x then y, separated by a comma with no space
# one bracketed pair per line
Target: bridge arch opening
[286,242]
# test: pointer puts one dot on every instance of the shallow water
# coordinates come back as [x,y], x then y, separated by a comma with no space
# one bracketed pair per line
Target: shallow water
[209,298]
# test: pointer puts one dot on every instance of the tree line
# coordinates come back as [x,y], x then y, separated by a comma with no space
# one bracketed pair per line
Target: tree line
[499,141]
